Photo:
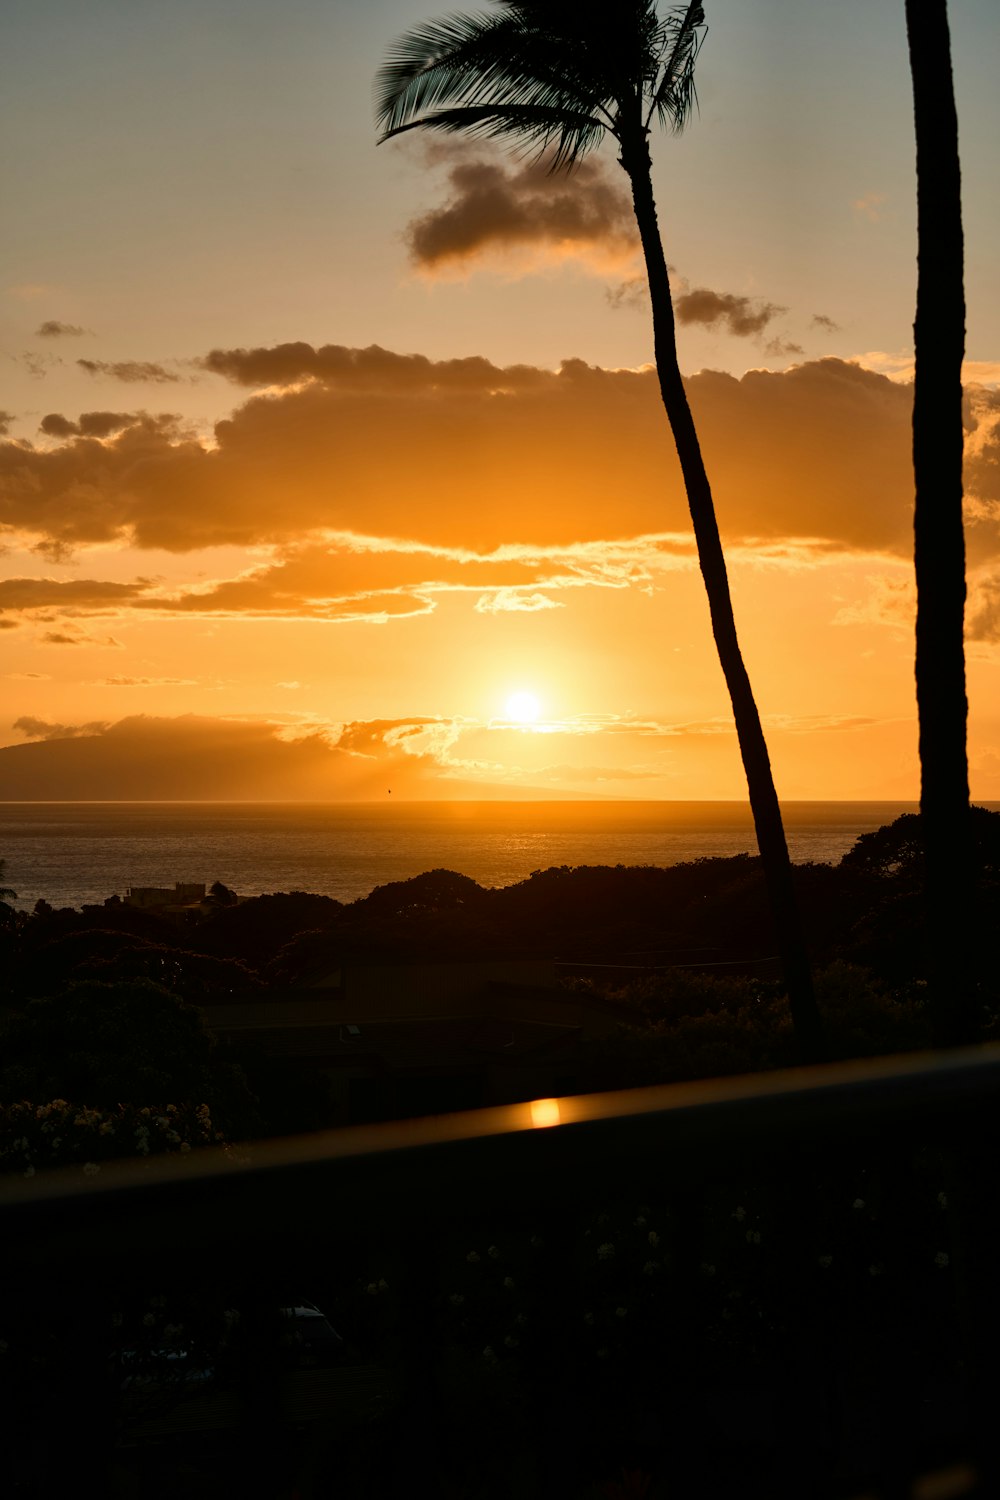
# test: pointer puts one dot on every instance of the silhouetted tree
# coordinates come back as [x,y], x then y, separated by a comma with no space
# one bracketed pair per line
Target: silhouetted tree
[560,75]
[939,540]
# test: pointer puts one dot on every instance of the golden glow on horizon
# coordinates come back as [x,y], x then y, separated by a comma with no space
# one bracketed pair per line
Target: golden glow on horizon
[523,708]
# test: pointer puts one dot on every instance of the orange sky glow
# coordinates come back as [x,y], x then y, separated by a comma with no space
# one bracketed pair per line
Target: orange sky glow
[327,469]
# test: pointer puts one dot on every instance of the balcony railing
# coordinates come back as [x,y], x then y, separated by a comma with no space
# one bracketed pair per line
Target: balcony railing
[781,1285]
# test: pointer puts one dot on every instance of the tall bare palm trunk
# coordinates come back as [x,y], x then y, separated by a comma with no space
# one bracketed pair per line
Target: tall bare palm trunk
[753,748]
[939,540]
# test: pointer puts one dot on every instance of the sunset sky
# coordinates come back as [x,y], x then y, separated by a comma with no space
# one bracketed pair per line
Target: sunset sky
[318,454]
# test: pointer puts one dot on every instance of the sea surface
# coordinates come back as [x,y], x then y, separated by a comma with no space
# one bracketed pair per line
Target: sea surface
[75,853]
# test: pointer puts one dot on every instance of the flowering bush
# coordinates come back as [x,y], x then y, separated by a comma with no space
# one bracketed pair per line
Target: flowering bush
[60,1134]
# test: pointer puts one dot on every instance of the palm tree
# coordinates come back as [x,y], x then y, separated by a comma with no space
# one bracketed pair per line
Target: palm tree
[939,540]
[558,76]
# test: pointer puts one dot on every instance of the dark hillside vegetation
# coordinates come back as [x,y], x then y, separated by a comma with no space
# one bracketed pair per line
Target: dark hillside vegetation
[102,1006]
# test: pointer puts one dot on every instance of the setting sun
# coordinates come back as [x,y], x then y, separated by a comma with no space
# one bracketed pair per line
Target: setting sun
[523,708]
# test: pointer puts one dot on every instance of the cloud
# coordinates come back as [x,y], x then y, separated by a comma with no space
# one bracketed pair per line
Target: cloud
[467,457]
[820,320]
[373,370]
[37,365]
[743,316]
[891,600]
[98,424]
[494,209]
[75,637]
[6,417]
[64,593]
[53,329]
[148,682]
[131,371]
[869,207]
[632,293]
[364,579]
[513,601]
[41,729]
[983,615]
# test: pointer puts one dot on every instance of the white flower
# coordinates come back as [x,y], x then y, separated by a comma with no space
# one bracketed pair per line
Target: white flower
[520,1320]
[148,1319]
[739,1214]
[472,1257]
[639,1222]
[621,1312]
[489,1355]
[372,1288]
[753,1236]
[383,1285]
[605,1252]
[508,1282]
[651,1267]
[493,1253]
[512,1342]
[707,1269]
[826,1261]
[456,1299]
[941,1259]
[858,1203]
[90,1169]
[942,1199]
[29,1171]
[876,1269]
[653,1238]
[185,1146]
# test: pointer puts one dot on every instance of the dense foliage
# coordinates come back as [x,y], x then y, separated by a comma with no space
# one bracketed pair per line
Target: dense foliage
[104,1007]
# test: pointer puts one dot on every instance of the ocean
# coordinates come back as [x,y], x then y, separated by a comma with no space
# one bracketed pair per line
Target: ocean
[76,853]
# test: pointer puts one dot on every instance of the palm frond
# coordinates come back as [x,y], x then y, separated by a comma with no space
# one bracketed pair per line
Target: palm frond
[557,73]
[495,75]
[440,61]
[560,135]
[675,97]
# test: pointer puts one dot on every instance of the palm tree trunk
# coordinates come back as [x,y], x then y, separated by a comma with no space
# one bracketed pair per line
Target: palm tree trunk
[753,747]
[939,541]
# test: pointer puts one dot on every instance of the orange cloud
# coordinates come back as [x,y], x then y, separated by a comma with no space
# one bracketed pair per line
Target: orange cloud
[131,371]
[743,316]
[494,209]
[363,579]
[463,455]
[98,424]
[53,329]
